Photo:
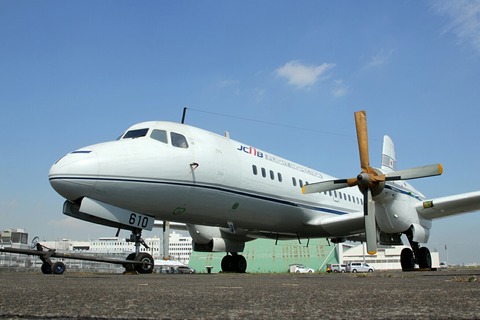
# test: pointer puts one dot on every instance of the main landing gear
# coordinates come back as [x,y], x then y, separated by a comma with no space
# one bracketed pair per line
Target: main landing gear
[147,264]
[416,255]
[234,262]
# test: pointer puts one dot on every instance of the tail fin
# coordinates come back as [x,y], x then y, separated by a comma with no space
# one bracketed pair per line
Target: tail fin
[389,162]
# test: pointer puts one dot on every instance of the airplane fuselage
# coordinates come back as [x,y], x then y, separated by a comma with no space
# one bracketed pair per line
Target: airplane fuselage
[180,173]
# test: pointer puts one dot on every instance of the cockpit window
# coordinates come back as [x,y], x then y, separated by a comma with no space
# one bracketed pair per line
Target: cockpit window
[132,134]
[178,140]
[159,135]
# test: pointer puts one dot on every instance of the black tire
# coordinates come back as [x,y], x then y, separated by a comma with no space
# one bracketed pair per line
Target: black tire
[148,263]
[129,267]
[46,268]
[58,267]
[354,270]
[424,258]
[406,259]
[227,263]
[240,263]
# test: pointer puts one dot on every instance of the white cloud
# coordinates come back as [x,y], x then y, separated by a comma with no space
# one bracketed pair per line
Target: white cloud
[300,75]
[259,94]
[382,57]
[228,83]
[339,89]
[463,19]
[233,85]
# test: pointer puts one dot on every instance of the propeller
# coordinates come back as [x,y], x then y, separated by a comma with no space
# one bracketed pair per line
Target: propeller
[370,181]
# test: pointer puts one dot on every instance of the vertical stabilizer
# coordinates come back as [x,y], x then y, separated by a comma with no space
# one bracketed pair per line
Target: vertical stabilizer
[389,162]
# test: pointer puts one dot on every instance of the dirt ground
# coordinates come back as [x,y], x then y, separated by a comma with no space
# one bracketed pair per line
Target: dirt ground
[444,294]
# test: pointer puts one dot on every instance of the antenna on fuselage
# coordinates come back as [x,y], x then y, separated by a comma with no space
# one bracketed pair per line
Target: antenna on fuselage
[183,115]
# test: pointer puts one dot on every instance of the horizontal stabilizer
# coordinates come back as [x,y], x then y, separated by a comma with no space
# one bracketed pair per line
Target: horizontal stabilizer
[450,205]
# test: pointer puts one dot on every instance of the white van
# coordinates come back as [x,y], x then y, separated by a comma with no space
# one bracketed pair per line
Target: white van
[359,267]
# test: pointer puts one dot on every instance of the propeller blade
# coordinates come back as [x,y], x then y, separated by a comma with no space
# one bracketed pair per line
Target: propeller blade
[329,185]
[362,138]
[415,173]
[370,223]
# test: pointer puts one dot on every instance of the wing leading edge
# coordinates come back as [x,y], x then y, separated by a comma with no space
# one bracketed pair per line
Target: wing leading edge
[450,205]
[342,225]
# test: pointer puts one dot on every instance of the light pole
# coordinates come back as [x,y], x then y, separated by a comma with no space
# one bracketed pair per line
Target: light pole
[446,255]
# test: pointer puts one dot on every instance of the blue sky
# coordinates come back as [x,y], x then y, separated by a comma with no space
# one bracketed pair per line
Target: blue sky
[74,73]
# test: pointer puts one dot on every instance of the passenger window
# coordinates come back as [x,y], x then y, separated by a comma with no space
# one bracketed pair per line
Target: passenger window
[159,135]
[272,175]
[132,134]
[255,171]
[279,177]
[178,140]
[294,181]
[264,172]
[300,183]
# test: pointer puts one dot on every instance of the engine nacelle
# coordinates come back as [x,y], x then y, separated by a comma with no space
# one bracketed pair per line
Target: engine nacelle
[420,233]
[214,239]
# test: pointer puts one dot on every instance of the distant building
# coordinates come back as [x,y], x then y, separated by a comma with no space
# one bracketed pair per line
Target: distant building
[386,258]
[13,237]
[18,239]
[180,247]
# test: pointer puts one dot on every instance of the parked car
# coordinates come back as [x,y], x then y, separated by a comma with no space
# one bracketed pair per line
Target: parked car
[337,268]
[359,267]
[185,269]
[300,268]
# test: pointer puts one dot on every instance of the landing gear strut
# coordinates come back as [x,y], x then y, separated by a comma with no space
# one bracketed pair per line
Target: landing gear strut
[234,262]
[148,262]
[416,255]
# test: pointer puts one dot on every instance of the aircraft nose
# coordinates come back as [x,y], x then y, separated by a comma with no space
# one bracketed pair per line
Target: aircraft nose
[74,176]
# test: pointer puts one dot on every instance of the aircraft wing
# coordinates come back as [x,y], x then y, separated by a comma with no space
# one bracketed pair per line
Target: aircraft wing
[450,205]
[341,225]
[172,225]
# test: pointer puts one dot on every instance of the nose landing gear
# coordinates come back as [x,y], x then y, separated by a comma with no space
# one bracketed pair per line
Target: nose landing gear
[147,264]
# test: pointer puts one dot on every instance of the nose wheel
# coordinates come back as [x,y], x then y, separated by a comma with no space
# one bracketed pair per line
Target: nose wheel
[147,260]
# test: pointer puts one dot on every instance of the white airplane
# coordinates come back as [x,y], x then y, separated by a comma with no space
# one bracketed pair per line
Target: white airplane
[228,193]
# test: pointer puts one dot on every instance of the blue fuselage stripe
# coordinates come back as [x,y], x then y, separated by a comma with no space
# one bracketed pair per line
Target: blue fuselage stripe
[210,187]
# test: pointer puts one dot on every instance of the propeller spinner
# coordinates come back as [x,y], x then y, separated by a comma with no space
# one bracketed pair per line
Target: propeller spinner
[370,181]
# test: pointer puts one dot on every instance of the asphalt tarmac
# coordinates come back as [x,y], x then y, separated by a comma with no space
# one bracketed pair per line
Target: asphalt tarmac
[444,294]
